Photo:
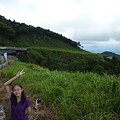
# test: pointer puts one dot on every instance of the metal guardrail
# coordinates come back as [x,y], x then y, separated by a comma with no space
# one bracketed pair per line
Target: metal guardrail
[5,63]
[2,113]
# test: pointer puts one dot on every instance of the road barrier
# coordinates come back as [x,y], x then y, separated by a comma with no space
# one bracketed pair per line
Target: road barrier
[5,63]
[2,113]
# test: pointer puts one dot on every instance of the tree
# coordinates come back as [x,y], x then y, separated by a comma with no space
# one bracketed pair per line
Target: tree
[6,31]
[99,69]
[115,60]
[79,44]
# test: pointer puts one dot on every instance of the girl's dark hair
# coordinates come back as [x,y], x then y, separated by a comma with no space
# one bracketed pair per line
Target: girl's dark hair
[14,99]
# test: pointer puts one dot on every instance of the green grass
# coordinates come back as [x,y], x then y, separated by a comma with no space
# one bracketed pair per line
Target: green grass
[76,96]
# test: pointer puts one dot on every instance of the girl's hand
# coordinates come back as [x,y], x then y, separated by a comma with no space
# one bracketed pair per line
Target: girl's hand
[20,73]
[36,103]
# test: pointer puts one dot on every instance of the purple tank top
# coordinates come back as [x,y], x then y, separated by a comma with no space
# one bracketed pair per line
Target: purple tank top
[18,111]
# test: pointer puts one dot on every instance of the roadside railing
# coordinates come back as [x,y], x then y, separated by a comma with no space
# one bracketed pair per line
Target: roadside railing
[5,63]
[2,113]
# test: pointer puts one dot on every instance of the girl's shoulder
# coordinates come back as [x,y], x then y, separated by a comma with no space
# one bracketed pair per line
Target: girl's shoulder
[27,100]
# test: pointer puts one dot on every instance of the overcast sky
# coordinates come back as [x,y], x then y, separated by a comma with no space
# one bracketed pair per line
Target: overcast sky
[93,23]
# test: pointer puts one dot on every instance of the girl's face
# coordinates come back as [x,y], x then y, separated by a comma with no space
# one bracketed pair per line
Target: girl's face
[17,90]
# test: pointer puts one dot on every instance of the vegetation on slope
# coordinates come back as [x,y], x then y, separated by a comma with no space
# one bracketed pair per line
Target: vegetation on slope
[52,50]
[17,34]
[76,96]
[71,61]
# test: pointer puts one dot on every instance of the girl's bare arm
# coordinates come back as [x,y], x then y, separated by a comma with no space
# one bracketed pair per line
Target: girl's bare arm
[6,84]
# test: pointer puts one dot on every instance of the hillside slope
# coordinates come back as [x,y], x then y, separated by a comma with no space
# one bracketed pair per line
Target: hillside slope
[67,96]
[53,51]
[17,34]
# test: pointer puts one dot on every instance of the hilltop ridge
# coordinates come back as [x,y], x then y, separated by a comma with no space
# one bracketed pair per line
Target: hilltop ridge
[13,33]
[110,54]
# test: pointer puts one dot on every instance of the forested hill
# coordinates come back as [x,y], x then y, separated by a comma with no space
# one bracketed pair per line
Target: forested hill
[52,50]
[17,34]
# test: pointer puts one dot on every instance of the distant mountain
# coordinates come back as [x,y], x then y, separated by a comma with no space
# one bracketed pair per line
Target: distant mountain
[110,54]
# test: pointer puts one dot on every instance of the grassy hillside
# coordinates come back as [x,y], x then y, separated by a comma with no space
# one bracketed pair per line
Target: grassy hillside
[53,51]
[63,60]
[76,96]
[17,34]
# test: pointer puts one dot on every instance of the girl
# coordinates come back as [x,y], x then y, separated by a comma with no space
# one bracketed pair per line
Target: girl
[19,103]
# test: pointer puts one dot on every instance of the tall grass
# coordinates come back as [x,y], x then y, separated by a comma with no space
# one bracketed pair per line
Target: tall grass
[76,96]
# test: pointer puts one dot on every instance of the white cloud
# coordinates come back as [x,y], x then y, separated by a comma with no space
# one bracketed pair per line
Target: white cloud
[111,41]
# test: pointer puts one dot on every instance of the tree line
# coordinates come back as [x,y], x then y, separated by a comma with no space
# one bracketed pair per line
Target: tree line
[12,30]
[72,61]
